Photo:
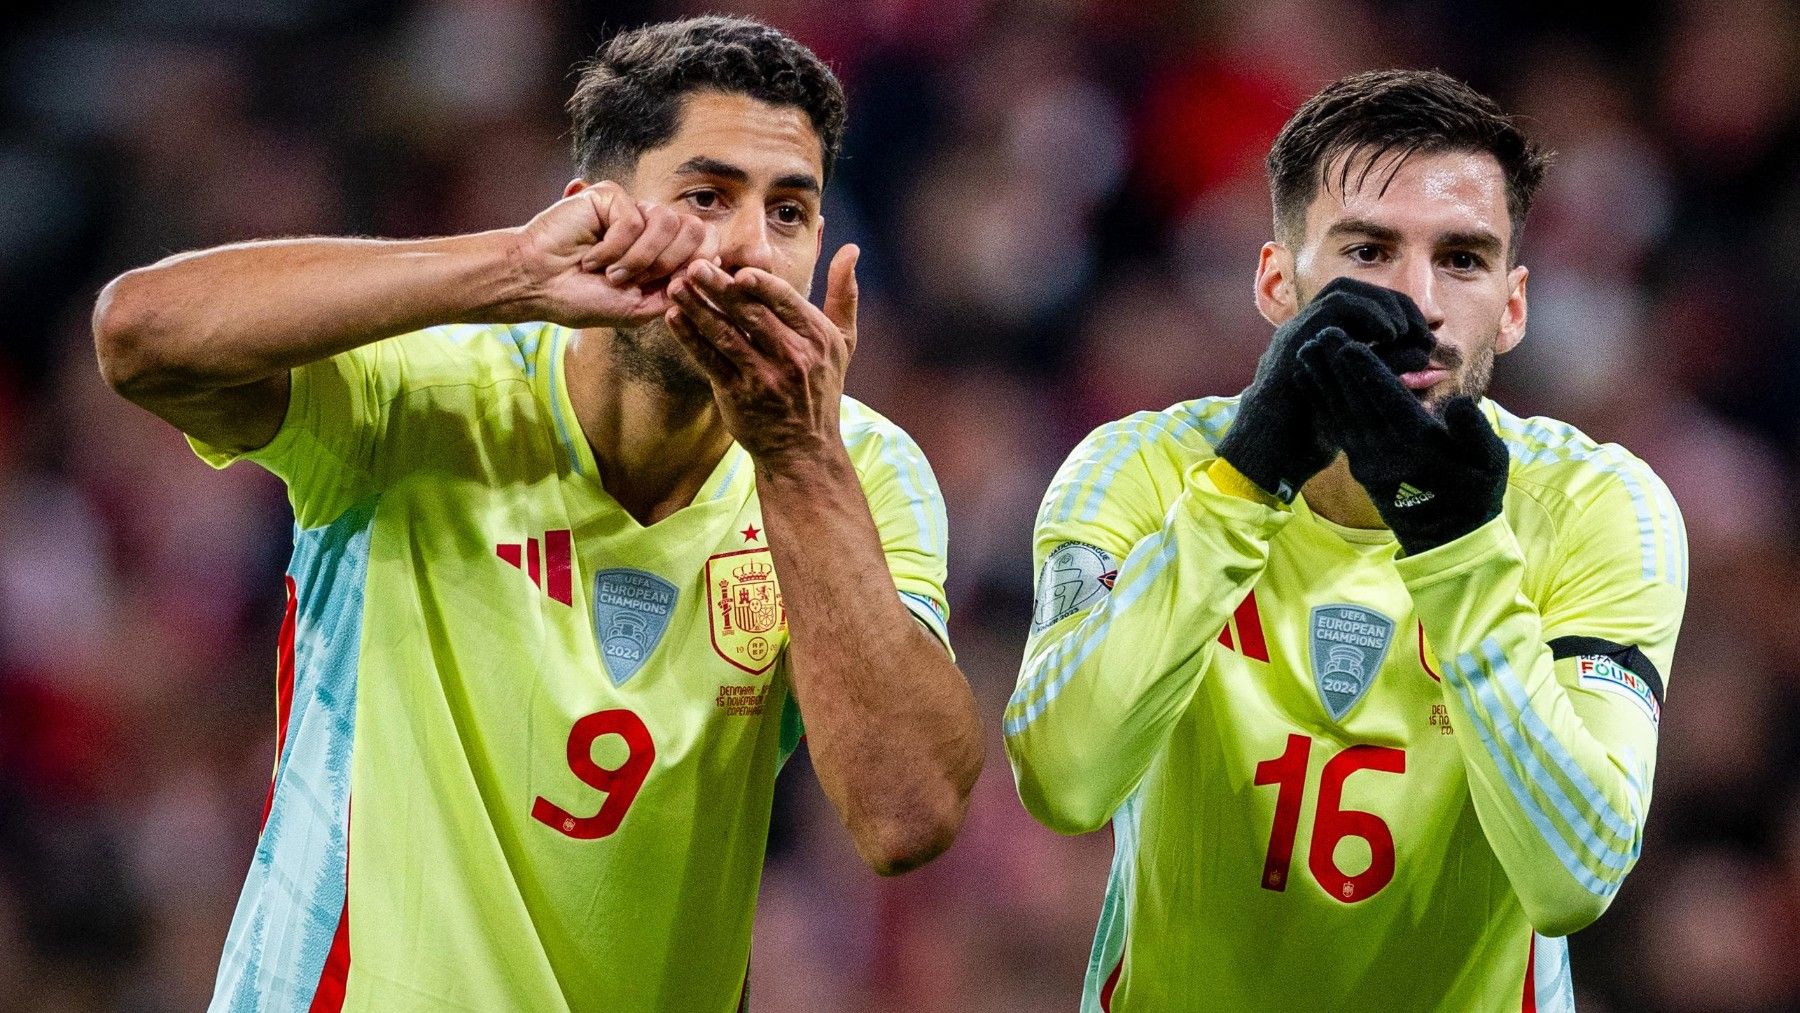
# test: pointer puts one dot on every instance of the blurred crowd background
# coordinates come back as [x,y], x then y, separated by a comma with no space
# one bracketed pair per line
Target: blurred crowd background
[1061,204]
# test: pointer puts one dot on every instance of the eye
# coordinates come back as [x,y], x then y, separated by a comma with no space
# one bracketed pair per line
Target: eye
[1463,260]
[1365,253]
[790,213]
[702,200]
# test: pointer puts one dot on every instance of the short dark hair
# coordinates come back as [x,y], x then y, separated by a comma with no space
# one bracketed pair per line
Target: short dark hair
[629,96]
[1403,112]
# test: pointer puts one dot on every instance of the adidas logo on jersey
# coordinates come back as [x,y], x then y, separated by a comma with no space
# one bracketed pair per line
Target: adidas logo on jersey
[1409,495]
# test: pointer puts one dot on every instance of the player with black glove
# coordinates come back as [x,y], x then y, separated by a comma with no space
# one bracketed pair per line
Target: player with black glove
[1276,441]
[1433,480]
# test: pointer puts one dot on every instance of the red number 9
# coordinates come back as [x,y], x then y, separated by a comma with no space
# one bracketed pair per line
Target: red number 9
[620,784]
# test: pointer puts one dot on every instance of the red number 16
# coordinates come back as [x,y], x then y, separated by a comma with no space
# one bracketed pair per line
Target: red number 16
[1331,823]
[620,784]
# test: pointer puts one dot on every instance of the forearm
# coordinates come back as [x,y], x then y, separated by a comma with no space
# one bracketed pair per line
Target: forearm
[1099,695]
[890,720]
[1562,806]
[237,314]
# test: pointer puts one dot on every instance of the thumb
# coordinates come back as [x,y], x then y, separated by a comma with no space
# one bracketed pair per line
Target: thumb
[840,290]
[1470,429]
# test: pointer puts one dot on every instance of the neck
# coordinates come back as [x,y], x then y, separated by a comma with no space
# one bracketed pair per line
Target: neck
[654,449]
[1335,495]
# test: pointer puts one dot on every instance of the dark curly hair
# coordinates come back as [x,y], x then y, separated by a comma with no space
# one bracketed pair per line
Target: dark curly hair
[629,96]
[1402,112]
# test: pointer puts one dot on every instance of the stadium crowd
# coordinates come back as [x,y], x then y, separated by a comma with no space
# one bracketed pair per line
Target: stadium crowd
[1060,204]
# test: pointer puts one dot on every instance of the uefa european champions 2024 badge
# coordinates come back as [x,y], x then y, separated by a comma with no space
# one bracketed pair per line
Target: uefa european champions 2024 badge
[1348,645]
[631,614]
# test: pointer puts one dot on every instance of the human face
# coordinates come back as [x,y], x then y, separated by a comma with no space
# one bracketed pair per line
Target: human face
[1438,231]
[755,173]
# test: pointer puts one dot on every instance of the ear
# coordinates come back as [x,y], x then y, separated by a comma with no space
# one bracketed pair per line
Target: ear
[1276,298]
[1512,317]
[575,186]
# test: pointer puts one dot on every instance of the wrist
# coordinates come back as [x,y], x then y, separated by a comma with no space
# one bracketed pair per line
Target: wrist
[508,291]
[803,463]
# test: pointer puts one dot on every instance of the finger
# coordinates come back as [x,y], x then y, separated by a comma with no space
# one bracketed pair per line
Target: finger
[715,365]
[1471,431]
[738,303]
[841,289]
[620,225]
[1378,395]
[1317,368]
[660,226]
[690,234]
[713,326]
[783,300]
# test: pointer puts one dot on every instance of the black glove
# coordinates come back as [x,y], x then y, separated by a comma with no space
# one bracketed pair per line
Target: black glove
[1276,441]
[1433,481]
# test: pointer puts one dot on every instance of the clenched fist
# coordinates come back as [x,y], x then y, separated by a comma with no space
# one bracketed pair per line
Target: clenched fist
[599,258]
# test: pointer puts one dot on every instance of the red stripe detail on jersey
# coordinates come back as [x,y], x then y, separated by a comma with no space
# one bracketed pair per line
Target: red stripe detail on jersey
[511,552]
[1425,659]
[1529,1003]
[335,975]
[284,689]
[329,996]
[534,567]
[556,556]
[1250,631]
[1225,636]
[1112,982]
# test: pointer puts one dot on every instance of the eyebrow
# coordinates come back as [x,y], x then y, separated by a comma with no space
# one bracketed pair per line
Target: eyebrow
[1477,240]
[701,165]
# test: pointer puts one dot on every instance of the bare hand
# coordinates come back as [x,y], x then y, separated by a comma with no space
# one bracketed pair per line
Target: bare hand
[598,258]
[776,361]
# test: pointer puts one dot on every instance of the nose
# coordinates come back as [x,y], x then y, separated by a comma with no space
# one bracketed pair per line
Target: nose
[1418,279]
[744,240]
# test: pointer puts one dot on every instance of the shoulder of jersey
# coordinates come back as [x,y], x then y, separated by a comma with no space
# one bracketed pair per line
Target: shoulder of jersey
[1178,435]
[870,435]
[1557,458]
[478,354]
[1579,481]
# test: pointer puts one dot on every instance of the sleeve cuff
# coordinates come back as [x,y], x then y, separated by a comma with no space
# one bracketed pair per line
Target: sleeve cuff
[1233,482]
[1263,514]
[220,458]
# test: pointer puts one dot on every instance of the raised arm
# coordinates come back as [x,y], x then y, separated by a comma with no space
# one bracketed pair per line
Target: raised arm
[1129,604]
[890,720]
[1555,698]
[205,339]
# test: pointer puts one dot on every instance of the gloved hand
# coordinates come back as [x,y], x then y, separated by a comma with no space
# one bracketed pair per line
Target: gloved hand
[1276,441]
[1433,480]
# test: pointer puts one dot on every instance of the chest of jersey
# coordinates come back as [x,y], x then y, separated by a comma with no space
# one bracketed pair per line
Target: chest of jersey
[605,673]
[1320,732]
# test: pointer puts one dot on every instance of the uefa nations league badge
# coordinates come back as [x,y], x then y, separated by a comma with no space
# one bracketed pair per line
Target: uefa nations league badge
[631,613]
[1348,645]
[1075,576]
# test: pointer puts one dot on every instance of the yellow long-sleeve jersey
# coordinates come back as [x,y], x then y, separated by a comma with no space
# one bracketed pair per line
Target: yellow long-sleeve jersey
[1339,779]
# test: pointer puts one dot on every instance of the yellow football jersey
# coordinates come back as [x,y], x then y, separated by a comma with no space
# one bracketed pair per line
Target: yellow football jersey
[1338,779]
[528,745]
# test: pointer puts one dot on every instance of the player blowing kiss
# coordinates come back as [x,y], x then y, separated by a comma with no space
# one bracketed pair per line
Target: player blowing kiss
[586,536]
[1364,670]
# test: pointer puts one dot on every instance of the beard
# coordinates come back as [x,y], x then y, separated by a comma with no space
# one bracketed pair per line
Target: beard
[651,355]
[1469,375]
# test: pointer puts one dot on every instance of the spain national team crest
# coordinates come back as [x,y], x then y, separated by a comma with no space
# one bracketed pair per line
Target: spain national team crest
[749,621]
[1349,643]
[631,613]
